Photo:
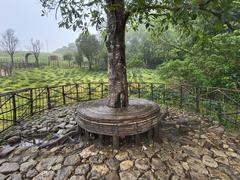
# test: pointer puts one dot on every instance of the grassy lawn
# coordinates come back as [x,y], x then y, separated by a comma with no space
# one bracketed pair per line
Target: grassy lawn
[49,76]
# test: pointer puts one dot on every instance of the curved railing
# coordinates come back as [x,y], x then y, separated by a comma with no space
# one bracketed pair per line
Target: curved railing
[215,103]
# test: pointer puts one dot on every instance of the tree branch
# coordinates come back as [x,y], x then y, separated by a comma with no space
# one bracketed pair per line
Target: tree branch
[219,16]
[177,47]
[148,7]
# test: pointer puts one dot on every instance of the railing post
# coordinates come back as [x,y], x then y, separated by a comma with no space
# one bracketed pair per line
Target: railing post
[63,95]
[77,93]
[31,101]
[197,99]
[139,92]
[14,109]
[102,90]
[237,110]
[219,112]
[181,96]
[115,142]
[164,94]
[89,91]
[152,95]
[49,98]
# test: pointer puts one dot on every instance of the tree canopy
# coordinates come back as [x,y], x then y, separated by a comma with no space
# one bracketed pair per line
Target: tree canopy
[88,45]
[82,14]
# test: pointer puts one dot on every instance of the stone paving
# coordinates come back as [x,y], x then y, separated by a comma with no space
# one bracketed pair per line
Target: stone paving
[190,148]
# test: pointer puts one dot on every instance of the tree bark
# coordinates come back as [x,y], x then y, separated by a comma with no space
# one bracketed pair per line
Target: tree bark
[11,55]
[115,43]
[90,64]
[36,60]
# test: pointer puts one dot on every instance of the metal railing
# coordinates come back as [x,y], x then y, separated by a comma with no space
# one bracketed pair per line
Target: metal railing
[215,103]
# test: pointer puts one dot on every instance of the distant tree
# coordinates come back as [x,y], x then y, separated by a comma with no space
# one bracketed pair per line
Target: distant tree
[102,56]
[144,50]
[9,43]
[68,57]
[89,46]
[79,58]
[70,48]
[36,48]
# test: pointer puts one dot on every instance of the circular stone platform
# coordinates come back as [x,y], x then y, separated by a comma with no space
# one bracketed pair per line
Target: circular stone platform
[96,117]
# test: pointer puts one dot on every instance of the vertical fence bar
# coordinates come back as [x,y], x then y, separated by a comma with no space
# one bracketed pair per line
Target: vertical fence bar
[164,94]
[77,92]
[237,113]
[63,95]
[197,99]
[219,112]
[139,92]
[14,108]
[203,102]
[101,90]
[89,92]
[49,98]
[152,95]
[181,97]
[31,101]
[210,100]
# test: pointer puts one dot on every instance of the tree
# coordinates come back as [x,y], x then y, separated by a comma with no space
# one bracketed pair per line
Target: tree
[78,58]
[101,57]
[116,13]
[141,50]
[210,57]
[89,46]
[36,48]
[68,57]
[9,43]
[70,48]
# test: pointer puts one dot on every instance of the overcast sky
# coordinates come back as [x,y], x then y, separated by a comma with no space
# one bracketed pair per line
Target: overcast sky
[24,16]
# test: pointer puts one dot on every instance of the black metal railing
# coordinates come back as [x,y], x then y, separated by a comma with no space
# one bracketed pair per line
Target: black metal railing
[215,103]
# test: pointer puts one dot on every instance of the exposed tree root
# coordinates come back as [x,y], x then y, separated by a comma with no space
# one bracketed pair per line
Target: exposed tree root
[72,132]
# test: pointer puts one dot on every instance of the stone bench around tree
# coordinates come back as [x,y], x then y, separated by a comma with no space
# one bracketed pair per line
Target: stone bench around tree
[138,117]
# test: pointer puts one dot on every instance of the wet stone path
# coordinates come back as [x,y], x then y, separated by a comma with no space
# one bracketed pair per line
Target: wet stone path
[190,148]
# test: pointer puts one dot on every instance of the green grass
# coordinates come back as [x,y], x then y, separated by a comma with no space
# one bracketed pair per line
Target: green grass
[48,76]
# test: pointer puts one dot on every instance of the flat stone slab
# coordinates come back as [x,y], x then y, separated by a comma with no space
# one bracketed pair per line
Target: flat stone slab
[6,168]
[96,117]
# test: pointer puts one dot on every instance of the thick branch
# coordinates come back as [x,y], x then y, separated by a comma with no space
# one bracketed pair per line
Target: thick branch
[148,7]
[177,47]
[219,16]
[202,6]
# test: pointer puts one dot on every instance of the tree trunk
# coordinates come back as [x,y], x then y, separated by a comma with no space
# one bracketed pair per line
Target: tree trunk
[36,60]
[117,73]
[90,64]
[11,55]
